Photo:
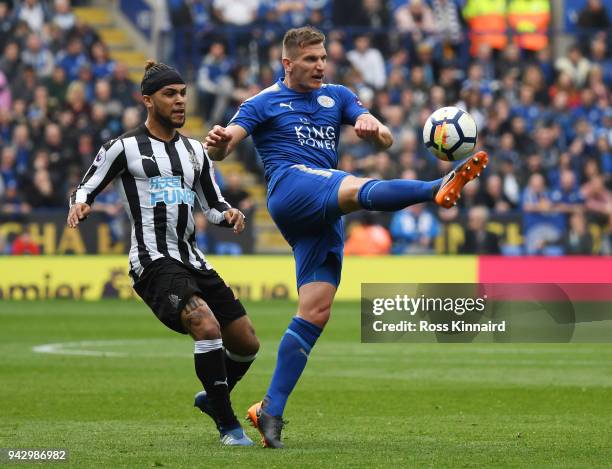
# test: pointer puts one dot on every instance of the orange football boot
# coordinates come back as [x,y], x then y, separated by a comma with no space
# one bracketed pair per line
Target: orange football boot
[450,189]
[268,425]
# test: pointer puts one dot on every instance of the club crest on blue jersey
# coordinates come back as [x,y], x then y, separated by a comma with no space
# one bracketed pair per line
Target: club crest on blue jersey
[326,101]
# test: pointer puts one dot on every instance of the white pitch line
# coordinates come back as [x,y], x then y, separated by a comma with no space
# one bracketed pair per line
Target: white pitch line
[60,348]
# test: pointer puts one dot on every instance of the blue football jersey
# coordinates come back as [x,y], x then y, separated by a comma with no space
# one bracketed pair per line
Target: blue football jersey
[290,128]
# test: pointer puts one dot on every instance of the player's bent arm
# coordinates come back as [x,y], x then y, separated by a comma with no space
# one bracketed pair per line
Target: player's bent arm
[371,129]
[108,164]
[221,141]
[225,216]
[215,207]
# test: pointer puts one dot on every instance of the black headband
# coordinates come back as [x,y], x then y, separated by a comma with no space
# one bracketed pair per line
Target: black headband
[158,80]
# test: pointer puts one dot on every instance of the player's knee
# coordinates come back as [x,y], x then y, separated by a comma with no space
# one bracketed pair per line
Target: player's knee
[209,331]
[250,346]
[251,342]
[202,325]
[239,337]
[348,195]
[318,314]
[353,193]
[246,348]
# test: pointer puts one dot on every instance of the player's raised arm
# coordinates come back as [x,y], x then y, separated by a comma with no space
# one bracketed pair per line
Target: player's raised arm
[107,164]
[371,129]
[221,141]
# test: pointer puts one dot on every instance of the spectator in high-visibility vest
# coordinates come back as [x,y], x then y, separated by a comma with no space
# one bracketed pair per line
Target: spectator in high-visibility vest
[487,23]
[529,20]
[367,238]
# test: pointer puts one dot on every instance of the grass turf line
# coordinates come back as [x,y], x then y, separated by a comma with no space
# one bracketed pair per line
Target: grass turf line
[359,405]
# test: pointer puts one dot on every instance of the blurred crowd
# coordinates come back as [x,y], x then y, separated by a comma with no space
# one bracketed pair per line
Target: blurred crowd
[546,120]
[61,97]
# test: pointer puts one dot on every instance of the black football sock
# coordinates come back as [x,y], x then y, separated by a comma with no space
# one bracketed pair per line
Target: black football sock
[236,366]
[209,359]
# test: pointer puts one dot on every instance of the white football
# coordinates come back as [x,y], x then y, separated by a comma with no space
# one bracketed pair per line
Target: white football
[450,133]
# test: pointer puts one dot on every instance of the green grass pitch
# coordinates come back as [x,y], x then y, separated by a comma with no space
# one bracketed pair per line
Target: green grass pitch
[357,405]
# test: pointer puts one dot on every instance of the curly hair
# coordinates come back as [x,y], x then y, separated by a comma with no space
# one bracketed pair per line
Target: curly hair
[151,67]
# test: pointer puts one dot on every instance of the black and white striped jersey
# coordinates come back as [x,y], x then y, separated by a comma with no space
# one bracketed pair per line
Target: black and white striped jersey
[159,183]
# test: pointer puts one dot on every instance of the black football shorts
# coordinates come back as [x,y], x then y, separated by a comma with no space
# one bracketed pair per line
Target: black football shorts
[166,285]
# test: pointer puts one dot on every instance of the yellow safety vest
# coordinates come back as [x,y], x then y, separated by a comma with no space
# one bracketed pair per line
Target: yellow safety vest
[487,23]
[529,20]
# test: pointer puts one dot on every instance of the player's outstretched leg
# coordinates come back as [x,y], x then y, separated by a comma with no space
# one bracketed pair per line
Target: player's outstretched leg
[450,189]
[395,194]
[386,195]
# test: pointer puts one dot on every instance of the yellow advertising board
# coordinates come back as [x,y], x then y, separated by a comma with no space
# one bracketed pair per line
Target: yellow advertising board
[252,277]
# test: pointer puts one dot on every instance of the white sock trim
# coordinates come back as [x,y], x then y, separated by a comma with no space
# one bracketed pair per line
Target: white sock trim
[204,346]
[240,358]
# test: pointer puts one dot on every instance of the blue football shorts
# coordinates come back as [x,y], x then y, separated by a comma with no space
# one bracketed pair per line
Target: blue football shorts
[304,206]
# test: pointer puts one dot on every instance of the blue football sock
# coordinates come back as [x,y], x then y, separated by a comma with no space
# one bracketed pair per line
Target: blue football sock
[389,196]
[293,352]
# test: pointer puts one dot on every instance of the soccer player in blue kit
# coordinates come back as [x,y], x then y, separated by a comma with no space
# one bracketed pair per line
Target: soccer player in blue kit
[295,125]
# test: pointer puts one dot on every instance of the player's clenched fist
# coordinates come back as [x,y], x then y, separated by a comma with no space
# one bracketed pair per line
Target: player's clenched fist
[218,137]
[78,212]
[371,129]
[367,127]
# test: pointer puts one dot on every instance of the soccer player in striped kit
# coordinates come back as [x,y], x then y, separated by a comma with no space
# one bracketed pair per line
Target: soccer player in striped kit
[161,174]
